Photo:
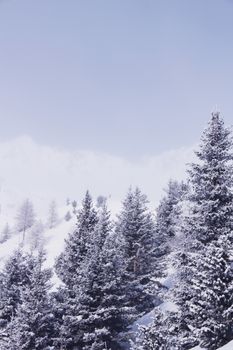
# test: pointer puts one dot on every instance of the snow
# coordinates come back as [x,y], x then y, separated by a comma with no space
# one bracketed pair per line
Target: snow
[168,280]
[42,173]
[228,346]
[7,248]
[54,239]
[168,306]
[145,320]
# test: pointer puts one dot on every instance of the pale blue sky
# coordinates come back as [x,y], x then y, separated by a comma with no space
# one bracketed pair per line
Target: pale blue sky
[127,77]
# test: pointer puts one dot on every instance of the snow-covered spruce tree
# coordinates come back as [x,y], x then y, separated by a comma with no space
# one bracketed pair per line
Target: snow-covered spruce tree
[14,275]
[168,222]
[36,236]
[77,244]
[74,206]
[101,200]
[211,306]
[26,217]
[136,225]
[68,216]
[212,214]
[164,333]
[53,215]
[5,235]
[211,185]
[204,277]
[95,303]
[168,211]
[32,325]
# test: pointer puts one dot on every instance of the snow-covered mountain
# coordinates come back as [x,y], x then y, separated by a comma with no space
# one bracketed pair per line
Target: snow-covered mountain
[43,173]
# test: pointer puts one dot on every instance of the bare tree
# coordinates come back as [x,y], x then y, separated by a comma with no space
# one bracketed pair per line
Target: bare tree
[26,217]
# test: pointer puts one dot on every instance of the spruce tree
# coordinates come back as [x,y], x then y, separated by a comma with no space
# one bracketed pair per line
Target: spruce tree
[53,215]
[71,267]
[210,183]
[68,216]
[137,227]
[78,242]
[32,325]
[168,223]
[168,210]
[203,289]
[14,275]
[6,234]
[94,305]
[106,291]
[205,274]
[211,305]
[167,332]
[36,237]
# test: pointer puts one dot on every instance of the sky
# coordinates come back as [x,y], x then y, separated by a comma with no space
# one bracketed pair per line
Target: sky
[129,78]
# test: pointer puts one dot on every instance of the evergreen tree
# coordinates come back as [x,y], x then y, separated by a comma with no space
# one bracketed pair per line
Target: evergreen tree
[101,200]
[32,325]
[204,271]
[77,244]
[211,185]
[211,305]
[168,223]
[209,225]
[25,217]
[74,205]
[5,234]
[203,289]
[36,236]
[95,303]
[14,274]
[53,215]
[68,216]
[168,331]
[168,211]
[136,225]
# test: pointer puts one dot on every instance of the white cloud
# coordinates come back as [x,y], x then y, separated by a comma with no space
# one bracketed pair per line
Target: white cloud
[43,173]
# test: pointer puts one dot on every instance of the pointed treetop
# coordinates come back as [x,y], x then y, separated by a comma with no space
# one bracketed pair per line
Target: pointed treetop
[215,115]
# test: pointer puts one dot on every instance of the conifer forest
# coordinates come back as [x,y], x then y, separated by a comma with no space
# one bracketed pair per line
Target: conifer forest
[142,279]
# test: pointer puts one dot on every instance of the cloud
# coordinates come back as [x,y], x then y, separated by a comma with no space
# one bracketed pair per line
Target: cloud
[43,173]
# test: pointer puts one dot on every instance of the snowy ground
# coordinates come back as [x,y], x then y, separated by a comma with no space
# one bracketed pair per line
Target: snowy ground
[228,346]
[42,173]
[53,242]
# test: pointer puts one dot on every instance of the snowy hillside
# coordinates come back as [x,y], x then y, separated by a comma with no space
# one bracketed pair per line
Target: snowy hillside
[53,239]
[228,346]
[43,173]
